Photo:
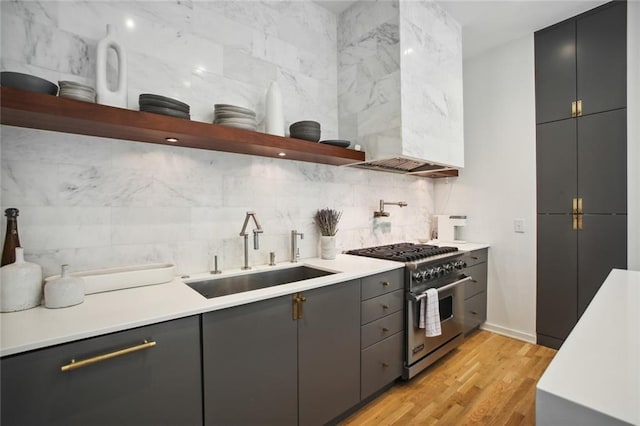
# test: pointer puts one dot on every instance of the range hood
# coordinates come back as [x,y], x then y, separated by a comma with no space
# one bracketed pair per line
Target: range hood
[400,86]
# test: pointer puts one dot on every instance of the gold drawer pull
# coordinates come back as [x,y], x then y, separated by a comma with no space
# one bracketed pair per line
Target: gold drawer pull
[385,306]
[385,329]
[384,364]
[73,365]
[473,313]
[474,281]
[386,283]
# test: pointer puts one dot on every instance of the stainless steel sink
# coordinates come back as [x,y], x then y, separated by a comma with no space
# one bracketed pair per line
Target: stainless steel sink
[231,285]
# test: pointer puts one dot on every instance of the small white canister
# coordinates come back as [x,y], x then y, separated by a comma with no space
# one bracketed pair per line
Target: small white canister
[64,291]
[21,285]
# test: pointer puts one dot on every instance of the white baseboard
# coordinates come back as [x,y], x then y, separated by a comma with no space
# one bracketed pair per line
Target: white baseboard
[526,337]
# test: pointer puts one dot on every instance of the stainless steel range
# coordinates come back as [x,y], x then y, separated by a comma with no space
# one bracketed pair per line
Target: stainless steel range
[427,266]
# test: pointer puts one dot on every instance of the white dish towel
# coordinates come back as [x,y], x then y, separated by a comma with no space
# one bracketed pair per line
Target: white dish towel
[430,313]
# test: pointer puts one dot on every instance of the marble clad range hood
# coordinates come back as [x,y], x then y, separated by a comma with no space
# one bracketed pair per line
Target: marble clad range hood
[400,85]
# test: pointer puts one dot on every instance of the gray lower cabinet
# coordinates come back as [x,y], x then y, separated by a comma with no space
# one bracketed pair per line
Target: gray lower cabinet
[262,367]
[382,326]
[250,364]
[475,292]
[156,385]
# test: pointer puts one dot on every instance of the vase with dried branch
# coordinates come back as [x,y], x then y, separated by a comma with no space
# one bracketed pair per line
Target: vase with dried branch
[327,221]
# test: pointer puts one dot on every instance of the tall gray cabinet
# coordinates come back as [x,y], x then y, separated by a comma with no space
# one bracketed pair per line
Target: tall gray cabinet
[581,146]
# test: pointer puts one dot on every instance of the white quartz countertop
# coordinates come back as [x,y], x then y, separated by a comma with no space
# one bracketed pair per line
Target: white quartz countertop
[112,311]
[594,379]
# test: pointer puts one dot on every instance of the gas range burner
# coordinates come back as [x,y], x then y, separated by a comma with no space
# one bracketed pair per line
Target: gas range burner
[403,252]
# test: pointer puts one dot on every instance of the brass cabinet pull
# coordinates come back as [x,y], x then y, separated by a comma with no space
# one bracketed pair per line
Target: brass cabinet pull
[73,365]
[385,329]
[575,222]
[384,364]
[474,281]
[473,312]
[386,283]
[574,206]
[574,109]
[298,299]
[384,306]
[579,206]
[580,221]
[474,258]
[579,112]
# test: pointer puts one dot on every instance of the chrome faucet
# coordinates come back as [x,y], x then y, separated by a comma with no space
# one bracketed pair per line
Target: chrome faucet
[382,213]
[243,233]
[295,251]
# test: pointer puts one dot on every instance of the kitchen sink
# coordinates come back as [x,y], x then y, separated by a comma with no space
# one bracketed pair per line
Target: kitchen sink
[217,287]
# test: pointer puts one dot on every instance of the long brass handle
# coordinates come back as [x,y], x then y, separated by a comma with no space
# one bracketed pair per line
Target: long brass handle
[579,112]
[580,216]
[74,365]
[574,109]
[579,206]
[298,299]
[575,221]
[574,206]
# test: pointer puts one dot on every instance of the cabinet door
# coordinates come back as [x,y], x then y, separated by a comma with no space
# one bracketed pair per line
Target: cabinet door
[556,166]
[160,385]
[602,162]
[601,52]
[555,72]
[329,352]
[250,365]
[602,245]
[557,265]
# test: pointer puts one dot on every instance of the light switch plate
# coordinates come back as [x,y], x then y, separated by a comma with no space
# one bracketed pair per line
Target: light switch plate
[518,226]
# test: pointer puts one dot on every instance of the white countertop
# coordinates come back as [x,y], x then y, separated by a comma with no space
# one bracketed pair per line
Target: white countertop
[112,311]
[594,379]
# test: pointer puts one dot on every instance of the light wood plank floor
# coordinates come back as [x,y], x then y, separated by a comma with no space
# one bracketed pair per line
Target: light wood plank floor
[489,380]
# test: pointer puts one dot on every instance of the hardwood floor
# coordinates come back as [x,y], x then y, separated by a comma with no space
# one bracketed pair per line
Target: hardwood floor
[489,380]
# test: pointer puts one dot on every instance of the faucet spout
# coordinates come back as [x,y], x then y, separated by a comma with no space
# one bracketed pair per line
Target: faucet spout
[382,213]
[295,251]
[256,232]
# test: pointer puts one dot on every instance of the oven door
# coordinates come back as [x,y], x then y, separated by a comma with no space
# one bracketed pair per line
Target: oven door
[451,305]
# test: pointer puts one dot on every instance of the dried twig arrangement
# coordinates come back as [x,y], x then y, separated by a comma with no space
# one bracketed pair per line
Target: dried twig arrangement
[327,220]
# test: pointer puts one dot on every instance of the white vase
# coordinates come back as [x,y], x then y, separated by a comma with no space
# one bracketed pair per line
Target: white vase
[105,95]
[328,247]
[274,119]
[64,291]
[21,285]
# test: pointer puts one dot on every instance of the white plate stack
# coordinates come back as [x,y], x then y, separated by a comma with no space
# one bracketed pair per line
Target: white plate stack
[77,91]
[234,116]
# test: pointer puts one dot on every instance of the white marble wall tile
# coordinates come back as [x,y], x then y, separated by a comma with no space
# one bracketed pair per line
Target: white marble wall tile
[29,183]
[362,17]
[276,51]
[50,228]
[248,69]
[142,225]
[78,259]
[214,25]
[35,11]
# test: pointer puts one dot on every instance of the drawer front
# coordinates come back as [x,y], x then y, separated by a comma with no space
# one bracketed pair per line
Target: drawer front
[381,364]
[478,283]
[378,284]
[381,329]
[475,311]
[476,256]
[157,385]
[381,306]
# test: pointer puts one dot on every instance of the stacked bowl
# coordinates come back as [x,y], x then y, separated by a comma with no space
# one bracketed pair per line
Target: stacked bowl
[27,82]
[162,105]
[307,130]
[234,116]
[77,91]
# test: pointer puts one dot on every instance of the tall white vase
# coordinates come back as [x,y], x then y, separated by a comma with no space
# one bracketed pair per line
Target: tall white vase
[21,285]
[105,95]
[328,247]
[274,119]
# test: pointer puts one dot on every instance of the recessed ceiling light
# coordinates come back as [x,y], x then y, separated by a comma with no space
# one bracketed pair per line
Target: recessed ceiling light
[130,23]
[172,140]
[282,154]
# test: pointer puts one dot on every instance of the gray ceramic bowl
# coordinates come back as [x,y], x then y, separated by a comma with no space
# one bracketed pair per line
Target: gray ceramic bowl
[308,135]
[27,82]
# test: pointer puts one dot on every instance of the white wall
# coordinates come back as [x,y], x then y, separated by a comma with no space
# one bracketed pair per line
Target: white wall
[96,202]
[498,183]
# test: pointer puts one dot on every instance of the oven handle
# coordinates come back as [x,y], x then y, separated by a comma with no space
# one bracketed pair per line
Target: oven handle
[443,288]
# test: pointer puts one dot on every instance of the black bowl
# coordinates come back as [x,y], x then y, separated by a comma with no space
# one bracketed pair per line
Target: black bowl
[308,136]
[27,82]
[305,124]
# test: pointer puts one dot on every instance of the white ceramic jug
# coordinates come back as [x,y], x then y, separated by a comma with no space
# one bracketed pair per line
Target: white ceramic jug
[20,285]
[65,291]
[105,95]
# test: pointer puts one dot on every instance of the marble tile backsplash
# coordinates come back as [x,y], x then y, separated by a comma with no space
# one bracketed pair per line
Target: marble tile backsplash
[95,202]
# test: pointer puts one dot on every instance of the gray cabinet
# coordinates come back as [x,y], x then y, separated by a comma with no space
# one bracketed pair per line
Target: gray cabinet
[250,365]
[581,164]
[329,352]
[382,336]
[262,366]
[475,291]
[155,385]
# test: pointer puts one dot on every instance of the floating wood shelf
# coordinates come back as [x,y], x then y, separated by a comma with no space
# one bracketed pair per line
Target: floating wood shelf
[46,112]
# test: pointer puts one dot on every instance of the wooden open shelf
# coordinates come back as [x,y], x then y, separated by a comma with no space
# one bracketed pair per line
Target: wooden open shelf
[46,112]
